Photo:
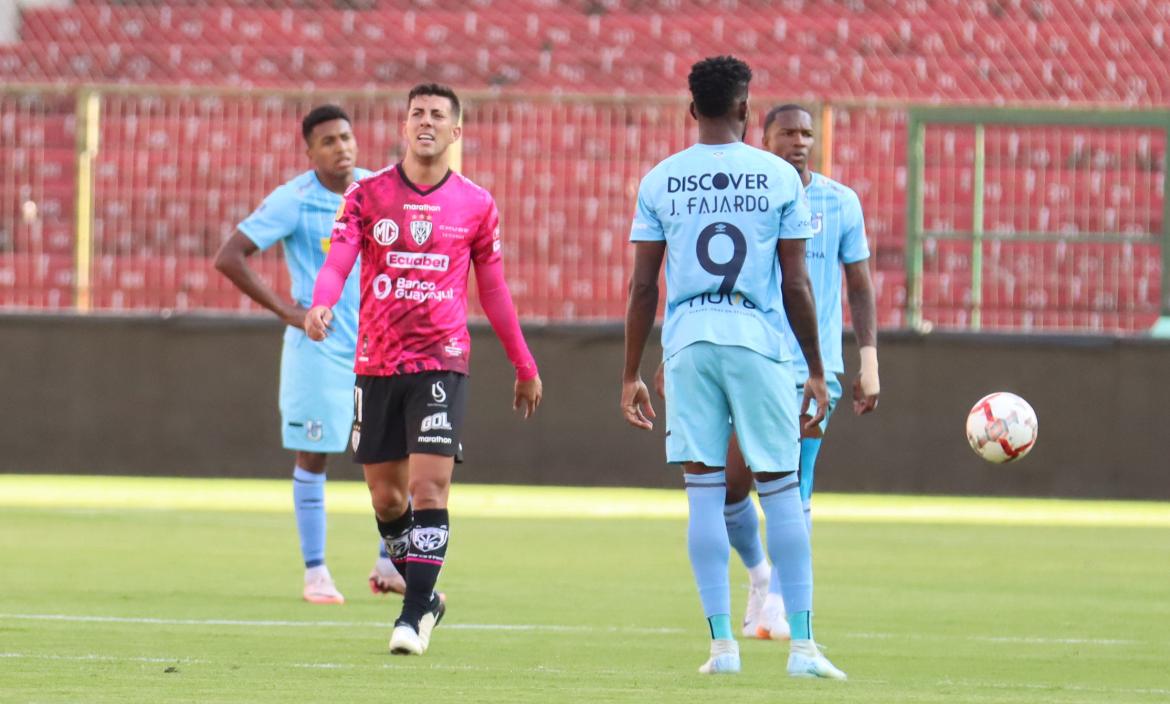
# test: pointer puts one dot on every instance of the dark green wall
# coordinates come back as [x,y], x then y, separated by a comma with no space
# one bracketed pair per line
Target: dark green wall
[197,396]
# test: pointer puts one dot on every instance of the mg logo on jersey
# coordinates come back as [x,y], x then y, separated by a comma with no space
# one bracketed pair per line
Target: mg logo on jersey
[385,232]
[817,223]
[420,231]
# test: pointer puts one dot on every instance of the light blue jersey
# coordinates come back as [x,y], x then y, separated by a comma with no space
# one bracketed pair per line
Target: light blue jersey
[316,379]
[838,230]
[722,210]
[300,215]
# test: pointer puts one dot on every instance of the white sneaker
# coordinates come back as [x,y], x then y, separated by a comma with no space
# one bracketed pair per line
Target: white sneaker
[773,620]
[319,587]
[805,659]
[385,579]
[724,658]
[753,617]
[405,641]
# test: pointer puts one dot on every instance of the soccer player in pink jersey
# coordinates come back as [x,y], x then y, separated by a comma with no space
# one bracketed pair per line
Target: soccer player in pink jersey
[418,227]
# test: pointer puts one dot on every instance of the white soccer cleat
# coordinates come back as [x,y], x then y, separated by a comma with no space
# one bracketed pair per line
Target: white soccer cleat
[405,641]
[773,621]
[319,587]
[385,579]
[426,625]
[724,658]
[753,617]
[805,659]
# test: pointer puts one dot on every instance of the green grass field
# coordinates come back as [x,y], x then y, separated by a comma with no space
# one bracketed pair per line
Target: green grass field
[161,590]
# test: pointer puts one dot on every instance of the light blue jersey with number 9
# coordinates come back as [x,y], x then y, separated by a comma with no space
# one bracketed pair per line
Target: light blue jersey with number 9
[722,209]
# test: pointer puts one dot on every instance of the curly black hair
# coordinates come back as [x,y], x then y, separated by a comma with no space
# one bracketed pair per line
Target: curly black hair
[319,114]
[716,83]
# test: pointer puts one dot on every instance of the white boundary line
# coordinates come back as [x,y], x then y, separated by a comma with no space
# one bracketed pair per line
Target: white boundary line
[533,627]
[554,628]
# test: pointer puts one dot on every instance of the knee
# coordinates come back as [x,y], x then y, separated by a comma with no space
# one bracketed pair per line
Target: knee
[388,500]
[429,493]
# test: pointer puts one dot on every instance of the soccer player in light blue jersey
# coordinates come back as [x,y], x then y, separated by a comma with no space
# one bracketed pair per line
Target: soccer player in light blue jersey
[731,222]
[316,380]
[838,242]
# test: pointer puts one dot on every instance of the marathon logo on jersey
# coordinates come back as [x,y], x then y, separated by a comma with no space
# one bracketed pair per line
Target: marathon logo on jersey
[385,232]
[420,231]
[423,207]
[716,182]
[434,440]
[496,240]
[417,260]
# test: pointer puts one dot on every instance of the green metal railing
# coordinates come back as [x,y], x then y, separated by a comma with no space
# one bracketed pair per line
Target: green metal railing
[922,118]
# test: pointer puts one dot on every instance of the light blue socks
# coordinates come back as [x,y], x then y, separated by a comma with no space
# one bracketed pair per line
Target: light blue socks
[309,506]
[789,549]
[708,547]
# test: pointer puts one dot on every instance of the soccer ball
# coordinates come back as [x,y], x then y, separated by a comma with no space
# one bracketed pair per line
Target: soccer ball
[1002,427]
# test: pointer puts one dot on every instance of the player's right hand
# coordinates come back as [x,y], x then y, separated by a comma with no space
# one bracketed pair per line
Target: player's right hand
[317,322]
[527,395]
[660,380]
[636,408]
[814,390]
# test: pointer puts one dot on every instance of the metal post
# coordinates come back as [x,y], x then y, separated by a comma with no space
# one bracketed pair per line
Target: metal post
[977,231]
[88,122]
[916,173]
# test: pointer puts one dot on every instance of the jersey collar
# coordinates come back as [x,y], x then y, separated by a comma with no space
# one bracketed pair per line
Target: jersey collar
[416,189]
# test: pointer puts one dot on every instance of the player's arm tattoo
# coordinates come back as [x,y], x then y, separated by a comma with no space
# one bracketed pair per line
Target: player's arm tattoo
[643,303]
[862,307]
[799,304]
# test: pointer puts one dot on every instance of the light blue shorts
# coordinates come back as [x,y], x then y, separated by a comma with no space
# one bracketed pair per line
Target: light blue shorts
[316,396]
[834,387]
[708,385]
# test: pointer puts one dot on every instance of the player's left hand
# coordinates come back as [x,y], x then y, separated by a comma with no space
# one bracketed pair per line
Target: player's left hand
[814,390]
[636,407]
[317,322]
[527,395]
[864,402]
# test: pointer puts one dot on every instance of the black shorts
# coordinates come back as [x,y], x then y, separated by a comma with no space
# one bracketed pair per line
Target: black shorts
[397,416]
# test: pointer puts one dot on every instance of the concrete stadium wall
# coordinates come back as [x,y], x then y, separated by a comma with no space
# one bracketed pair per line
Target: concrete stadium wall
[197,397]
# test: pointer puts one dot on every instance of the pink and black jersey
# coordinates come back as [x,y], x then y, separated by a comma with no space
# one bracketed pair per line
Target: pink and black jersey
[417,245]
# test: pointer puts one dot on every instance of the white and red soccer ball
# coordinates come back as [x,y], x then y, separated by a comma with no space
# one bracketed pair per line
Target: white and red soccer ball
[1002,427]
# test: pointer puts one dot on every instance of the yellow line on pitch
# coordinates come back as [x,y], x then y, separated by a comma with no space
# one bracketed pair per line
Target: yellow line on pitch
[501,501]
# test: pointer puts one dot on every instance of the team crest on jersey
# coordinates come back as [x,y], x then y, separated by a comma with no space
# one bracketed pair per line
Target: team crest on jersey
[420,231]
[385,232]
[816,223]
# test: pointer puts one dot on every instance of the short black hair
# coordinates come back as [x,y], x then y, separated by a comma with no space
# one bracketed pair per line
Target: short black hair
[775,112]
[319,114]
[440,90]
[716,83]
